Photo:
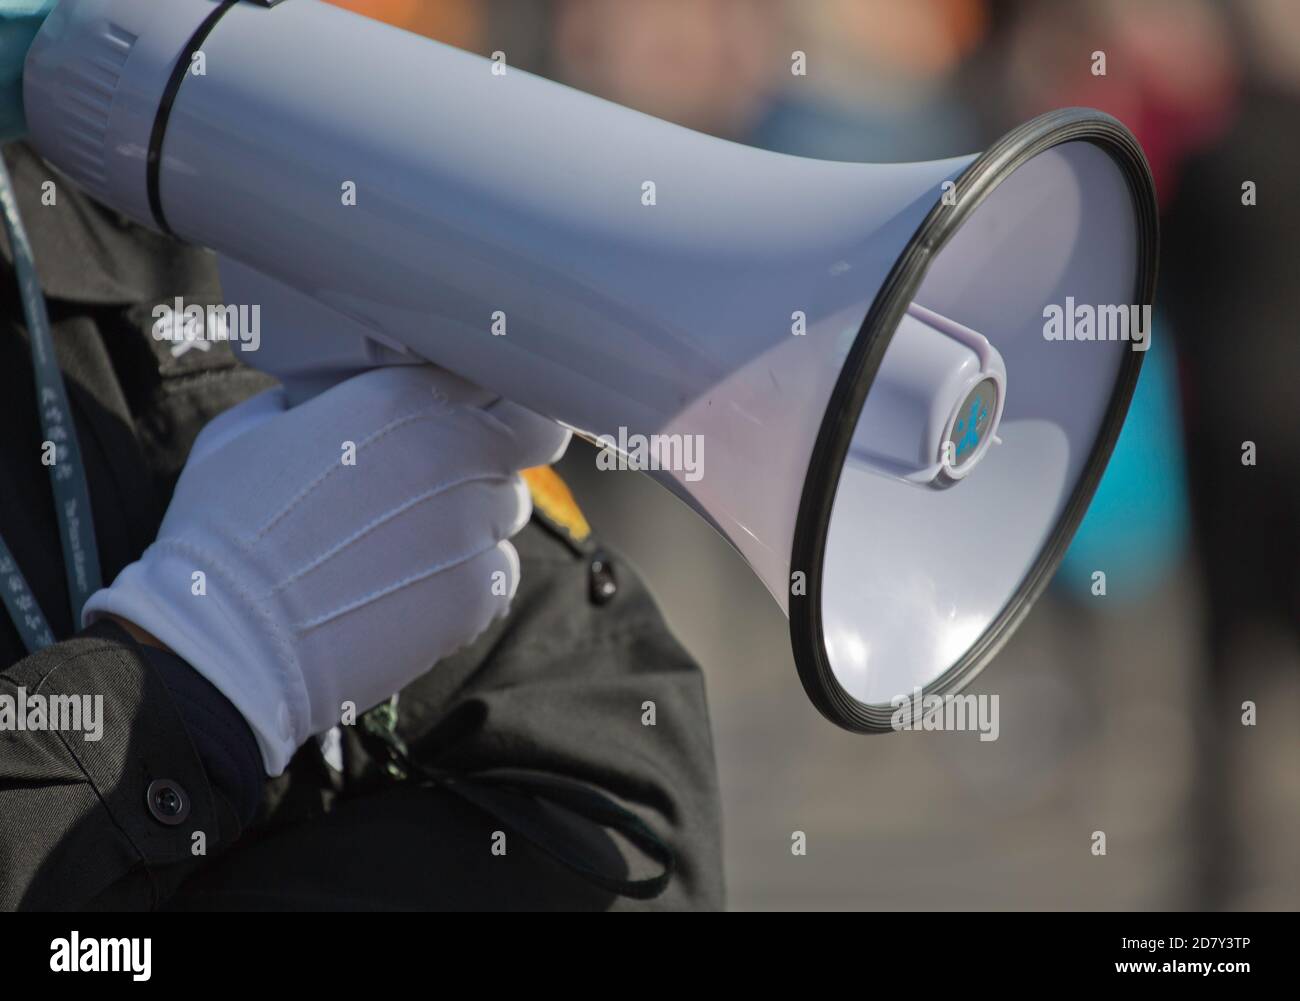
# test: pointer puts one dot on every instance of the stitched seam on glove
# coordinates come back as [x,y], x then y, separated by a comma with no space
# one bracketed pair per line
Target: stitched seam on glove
[384,519]
[335,466]
[384,592]
[391,589]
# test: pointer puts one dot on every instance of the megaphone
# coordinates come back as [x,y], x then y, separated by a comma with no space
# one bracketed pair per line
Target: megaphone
[904,380]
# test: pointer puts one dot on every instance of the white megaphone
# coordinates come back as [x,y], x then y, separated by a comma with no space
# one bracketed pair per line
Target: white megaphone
[894,437]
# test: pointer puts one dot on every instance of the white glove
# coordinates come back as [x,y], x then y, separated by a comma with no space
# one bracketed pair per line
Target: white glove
[329,582]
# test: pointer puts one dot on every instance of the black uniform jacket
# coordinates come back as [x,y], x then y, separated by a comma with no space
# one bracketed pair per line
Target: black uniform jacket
[520,773]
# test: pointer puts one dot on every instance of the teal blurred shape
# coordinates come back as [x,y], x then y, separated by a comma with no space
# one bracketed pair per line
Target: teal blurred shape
[20,20]
[1137,526]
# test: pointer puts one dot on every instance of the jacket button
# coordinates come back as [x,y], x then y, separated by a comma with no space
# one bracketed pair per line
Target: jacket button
[168,802]
[603,582]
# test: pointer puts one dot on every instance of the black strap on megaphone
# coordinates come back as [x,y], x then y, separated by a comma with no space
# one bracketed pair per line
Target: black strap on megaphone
[518,798]
[153,156]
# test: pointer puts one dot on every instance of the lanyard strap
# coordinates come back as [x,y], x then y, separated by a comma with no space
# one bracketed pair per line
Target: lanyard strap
[21,603]
[67,475]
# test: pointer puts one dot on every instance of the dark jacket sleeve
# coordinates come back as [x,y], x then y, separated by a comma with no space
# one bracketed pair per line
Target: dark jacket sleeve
[78,826]
[582,685]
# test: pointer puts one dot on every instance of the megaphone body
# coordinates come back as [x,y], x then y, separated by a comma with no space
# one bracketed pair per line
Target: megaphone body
[813,355]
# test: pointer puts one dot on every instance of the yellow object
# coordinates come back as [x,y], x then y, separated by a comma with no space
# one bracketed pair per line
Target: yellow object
[552,497]
[456,22]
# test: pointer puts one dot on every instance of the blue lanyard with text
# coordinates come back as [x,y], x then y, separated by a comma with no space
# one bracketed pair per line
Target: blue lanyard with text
[59,452]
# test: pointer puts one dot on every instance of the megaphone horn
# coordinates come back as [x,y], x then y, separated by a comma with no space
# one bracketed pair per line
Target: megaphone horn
[896,441]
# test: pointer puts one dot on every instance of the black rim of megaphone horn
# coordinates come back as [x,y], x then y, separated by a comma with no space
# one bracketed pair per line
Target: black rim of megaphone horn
[979,180]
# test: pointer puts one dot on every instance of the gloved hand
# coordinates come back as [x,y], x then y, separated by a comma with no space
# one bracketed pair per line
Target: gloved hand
[20,20]
[328,582]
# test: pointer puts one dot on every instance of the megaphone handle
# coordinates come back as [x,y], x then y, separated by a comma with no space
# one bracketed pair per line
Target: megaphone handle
[302,342]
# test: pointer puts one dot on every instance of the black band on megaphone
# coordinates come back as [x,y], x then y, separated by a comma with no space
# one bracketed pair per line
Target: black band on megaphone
[834,438]
[183,64]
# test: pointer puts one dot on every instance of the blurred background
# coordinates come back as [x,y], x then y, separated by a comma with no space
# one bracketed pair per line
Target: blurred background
[1121,713]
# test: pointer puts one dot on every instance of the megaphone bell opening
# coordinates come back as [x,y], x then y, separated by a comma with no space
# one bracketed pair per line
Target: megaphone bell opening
[917,589]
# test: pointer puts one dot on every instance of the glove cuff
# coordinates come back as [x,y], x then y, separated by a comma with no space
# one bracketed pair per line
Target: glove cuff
[223,631]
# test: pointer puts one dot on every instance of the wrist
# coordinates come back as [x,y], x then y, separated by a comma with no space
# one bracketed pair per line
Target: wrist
[225,633]
[142,636]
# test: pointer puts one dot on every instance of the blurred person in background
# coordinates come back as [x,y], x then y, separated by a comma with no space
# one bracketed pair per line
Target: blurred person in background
[1231,272]
[1170,75]
[1209,90]
[1231,284]
[882,90]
